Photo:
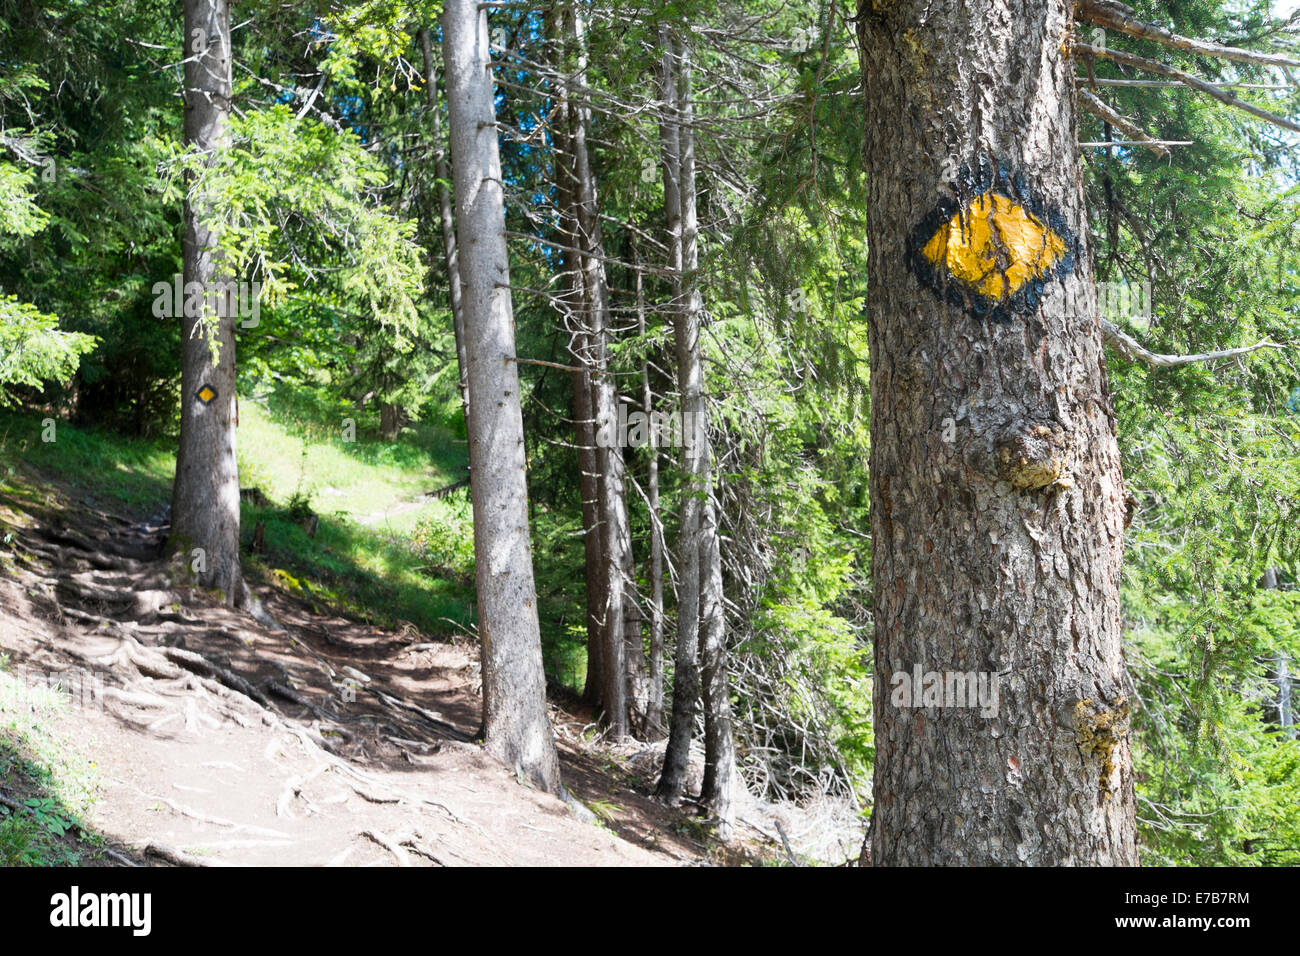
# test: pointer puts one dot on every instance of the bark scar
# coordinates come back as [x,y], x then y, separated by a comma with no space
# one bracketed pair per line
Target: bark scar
[1098,729]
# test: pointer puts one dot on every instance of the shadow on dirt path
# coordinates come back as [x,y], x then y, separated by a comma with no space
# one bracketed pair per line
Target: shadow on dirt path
[315,740]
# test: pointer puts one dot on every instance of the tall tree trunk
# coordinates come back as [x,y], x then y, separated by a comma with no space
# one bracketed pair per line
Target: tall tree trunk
[654,711]
[516,729]
[636,678]
[997,502]
[609,456]
[447,219]
[205,495]
[686,335]
[573,311]
[620,650]
[719,746]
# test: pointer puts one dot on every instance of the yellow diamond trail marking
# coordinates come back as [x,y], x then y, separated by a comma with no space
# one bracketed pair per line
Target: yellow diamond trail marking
[206,394]
[995,245]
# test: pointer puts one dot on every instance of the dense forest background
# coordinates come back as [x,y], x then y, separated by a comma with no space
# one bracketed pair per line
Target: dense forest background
[351,423]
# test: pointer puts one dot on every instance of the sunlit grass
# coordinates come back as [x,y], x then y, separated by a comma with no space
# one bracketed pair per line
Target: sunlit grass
[36,757]
[133,471]
[364,482]
[377,553]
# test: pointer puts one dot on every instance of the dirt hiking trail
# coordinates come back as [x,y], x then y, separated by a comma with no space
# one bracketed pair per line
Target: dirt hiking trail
[214,739]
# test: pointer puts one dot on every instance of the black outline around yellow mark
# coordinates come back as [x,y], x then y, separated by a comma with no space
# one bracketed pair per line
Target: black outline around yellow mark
[972,183]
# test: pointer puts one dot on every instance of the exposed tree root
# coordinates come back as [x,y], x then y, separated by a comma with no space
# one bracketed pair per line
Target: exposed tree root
[291,695]
[295,787]
[219,822]
[176,857]
[402,857]
[444,728]
[368,780]
[201,665]
[120,857]
[413,840]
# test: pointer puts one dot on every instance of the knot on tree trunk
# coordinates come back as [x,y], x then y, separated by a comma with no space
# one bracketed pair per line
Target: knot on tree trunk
[1098,729]
[1033,456]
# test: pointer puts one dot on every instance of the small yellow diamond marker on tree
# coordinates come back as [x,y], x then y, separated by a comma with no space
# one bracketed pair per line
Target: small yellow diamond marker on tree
[206,394]
[995,245]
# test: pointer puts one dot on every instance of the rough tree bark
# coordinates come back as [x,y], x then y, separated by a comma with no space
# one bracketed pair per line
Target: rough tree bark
[996,496]
[516,729]
[205,494]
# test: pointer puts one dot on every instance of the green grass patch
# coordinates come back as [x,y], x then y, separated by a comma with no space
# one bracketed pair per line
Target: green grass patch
[377,553]
[293,442]
[379,575]
[137,472]
[51,785]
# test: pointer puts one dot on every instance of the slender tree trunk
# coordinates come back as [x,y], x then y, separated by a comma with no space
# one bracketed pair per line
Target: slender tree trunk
[516,729]
[609,456]
[997,502]
[686,333]
[634,663]
[1282,672]
[636,679]
[719,746]
[448,220]
[584,414]
[620,649]
[1285,709]
[205,495]
[654,716]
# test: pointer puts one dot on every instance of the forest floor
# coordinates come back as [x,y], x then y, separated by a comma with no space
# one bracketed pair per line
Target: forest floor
[142,722]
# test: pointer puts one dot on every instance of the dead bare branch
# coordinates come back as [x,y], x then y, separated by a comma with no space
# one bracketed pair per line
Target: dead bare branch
[1094,105]
[1195,82]
[1120,18]
[1132,349]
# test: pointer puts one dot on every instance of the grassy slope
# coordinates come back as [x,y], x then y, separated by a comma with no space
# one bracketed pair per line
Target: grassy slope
[415,565]
[377,554]
[288,447]
[53,786]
